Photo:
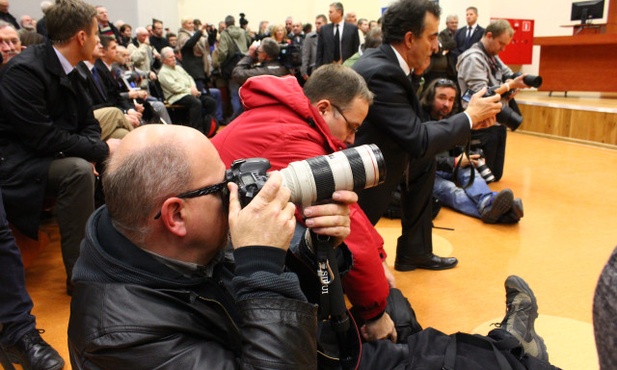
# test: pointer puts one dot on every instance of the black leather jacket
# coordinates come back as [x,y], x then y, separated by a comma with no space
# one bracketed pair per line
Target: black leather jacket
[131,311]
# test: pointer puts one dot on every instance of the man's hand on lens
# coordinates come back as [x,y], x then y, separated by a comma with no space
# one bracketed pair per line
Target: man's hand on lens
[332,219]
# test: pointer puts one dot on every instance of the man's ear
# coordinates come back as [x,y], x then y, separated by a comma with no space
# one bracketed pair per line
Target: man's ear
[409,38]
[173,217]
[323,106]
[81,37]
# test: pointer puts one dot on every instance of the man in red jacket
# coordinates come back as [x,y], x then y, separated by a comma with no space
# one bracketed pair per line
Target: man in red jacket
[284,123]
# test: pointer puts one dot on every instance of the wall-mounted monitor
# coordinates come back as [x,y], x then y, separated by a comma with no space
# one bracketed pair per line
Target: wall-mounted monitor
[586,10]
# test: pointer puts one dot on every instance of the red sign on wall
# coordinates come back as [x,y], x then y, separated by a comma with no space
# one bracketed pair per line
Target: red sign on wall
[520,49]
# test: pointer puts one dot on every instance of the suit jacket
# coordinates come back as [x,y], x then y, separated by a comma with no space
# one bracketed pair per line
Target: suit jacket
[395,123]
[309,53]
[325,43]
[111,87]
[460,36]
[43,116]
[103,95]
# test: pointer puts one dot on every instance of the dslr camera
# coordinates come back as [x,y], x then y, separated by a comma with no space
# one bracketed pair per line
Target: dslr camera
[314,179]
[482,168]
[510,115]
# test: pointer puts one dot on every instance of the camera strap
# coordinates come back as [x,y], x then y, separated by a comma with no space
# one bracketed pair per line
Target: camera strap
[457,166]
[332,301]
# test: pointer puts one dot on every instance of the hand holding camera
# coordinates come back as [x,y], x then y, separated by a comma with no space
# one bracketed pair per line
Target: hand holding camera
[509,114]
[323,185]
[267,220]
[482,109]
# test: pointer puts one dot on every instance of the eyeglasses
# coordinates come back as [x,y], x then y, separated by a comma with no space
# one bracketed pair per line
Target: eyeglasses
[445,82]
[210,189]
[351,127]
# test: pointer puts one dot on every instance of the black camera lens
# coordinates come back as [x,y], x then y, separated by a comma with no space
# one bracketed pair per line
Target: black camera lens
[533,81]
[509,118]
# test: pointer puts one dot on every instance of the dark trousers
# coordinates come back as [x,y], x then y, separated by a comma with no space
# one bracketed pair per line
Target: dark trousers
[193,104]
[417,213]
[71,182]
[416,201]
[492,140]
[15,303]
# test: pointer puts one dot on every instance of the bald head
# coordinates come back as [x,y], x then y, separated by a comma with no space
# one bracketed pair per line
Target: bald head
[151,164]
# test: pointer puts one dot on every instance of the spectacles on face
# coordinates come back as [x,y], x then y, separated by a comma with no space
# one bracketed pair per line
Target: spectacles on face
[351,127]
[444,82]
[206,190]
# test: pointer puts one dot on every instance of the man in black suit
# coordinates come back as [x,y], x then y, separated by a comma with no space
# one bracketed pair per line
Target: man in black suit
[395,124]
[468,35]
[49,136]
[337,40]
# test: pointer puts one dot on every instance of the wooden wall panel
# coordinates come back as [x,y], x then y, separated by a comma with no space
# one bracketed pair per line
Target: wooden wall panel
[598,127]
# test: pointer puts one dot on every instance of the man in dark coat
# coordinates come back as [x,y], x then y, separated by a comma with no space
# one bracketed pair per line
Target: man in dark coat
[346,33]
[468,35]
[395,124]
[49,138]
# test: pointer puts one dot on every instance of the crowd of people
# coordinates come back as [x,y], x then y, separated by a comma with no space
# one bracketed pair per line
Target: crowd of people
[172,271]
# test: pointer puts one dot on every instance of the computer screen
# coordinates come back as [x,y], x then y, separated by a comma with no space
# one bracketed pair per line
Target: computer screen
[585,10]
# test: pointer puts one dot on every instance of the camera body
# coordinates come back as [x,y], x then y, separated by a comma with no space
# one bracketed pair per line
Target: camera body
[507,116]
[291,56]
[510,116]
[250,176]
[314,179]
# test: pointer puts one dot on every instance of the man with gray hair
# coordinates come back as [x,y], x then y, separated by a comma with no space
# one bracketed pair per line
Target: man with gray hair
[142,53]
[180,88]
[10,44]
[262,59]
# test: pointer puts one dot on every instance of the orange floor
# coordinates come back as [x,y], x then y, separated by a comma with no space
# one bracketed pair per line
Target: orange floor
[559,248]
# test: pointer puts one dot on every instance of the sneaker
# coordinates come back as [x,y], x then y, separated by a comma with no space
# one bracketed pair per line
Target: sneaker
[500,204]
[33,353]
[521,313]
[515,213]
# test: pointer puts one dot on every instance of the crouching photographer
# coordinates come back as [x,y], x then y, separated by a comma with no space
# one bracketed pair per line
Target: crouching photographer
[480,67]
[155,285]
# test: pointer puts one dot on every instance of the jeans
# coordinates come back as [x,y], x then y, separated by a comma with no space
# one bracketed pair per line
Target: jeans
[16,304]
[216,94]
[234,91]
[470,201]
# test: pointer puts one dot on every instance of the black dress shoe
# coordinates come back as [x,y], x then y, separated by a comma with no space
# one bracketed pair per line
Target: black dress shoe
[33,353]
[432,262]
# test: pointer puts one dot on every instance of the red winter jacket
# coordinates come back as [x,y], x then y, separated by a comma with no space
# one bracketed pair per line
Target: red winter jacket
[280,124]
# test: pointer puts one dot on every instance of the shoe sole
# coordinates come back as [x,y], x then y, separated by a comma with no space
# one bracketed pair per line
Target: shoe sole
[501,204]
[521,285]
[403,268]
